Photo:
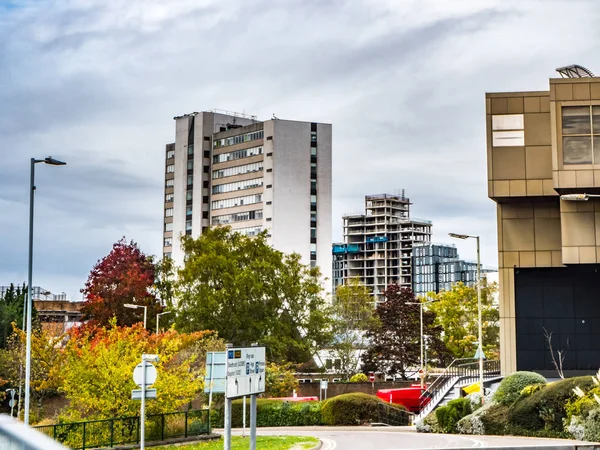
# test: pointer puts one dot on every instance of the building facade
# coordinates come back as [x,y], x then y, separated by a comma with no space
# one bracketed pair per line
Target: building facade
[541,146]
[231,169]
[437,267]
[378,244]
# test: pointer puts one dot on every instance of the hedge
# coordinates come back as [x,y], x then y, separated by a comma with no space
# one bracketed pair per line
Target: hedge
[358,408]
[511,386]
[545,409]
[271,413]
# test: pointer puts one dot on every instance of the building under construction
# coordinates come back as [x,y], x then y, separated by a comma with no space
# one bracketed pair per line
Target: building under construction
[378,244]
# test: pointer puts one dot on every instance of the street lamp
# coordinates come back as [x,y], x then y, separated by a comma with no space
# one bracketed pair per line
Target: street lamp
[578,197]
[480,339]
[52,162]
[132,306]
[158,318]
[422,338]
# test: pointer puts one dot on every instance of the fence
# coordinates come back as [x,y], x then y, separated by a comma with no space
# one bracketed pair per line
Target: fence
[394,416]
[126,430]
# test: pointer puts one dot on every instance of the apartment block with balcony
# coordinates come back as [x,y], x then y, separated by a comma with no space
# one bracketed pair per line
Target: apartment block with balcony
[378,244]
[231,169]
[541,146]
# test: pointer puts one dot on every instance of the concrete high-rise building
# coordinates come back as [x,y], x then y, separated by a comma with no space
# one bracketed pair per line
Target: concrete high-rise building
[231,169]
[378,244]
[543,154]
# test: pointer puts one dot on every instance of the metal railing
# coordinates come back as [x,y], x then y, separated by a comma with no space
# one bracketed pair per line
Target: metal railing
[390,415]
[459,371]
[126,430]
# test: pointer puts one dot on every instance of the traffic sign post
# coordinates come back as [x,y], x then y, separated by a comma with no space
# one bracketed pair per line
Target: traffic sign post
[144,376]
[245,375]
[12,401]
[323,387]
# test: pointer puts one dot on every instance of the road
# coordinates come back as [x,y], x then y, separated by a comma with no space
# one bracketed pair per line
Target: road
[349,438]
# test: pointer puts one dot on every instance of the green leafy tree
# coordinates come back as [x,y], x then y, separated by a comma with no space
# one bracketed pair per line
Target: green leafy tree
[395,339]
[12,305]
[248,292]
[353,312]
[280,380]
[456,312]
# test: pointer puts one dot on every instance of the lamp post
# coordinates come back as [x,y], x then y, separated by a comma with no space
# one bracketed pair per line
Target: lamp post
[480,324]
[52,162]
[158,318]
[132,306]
[422,338]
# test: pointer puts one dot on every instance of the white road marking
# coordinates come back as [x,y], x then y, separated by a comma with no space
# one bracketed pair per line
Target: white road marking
[328,444]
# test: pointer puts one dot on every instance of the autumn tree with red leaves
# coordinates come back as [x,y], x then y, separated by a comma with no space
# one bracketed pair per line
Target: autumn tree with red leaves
[125,275]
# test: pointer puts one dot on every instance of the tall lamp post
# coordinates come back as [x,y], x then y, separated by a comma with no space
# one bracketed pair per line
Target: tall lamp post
[158,318]
[52,162]
[421,304]
[132,306]
[480,324]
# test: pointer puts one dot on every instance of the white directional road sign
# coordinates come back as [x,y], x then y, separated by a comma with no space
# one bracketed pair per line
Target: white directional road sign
[245,371]
[216,372]
[150,374]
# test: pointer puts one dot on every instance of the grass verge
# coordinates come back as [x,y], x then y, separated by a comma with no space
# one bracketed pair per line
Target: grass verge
[262,443]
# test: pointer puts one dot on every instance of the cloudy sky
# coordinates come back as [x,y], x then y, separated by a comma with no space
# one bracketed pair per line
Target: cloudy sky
[97,83]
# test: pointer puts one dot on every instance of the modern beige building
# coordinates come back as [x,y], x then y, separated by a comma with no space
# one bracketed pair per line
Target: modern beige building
[541,146]
[231,169]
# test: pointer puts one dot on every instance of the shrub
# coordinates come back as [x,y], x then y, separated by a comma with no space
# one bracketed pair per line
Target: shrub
[359,378]
[531,389]
[449,415]
[271,413]
[591,426]
[358,408]
[545,409]
[429,424]
[472,424]
[511,386]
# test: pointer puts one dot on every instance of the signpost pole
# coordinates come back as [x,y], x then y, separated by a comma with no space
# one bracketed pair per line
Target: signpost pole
[227,434]
[143,408]
[212,364]
[253,422]
[244,417]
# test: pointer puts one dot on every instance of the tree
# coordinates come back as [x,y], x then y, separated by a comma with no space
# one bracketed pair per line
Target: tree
[99,365]
[125,275]
[353,313]
[280,380]
[456,312]
[46,363]
[12,306]
[248,292]
[395,339]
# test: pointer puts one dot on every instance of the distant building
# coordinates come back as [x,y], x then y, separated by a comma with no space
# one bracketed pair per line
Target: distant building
[232,169]
[378,244]
[55,312]
[437,267]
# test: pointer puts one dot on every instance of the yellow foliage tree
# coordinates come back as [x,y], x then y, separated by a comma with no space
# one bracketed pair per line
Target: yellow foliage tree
[99,366]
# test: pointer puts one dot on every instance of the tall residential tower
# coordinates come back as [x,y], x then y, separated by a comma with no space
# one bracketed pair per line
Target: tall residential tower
[231,169]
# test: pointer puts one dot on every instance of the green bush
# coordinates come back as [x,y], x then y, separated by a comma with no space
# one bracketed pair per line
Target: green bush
[531,389]
[429,424]
[359,378]
[358,408]
[591,427]
[271,413]
[545,409]
[581,406]
[511,386]
[449,415]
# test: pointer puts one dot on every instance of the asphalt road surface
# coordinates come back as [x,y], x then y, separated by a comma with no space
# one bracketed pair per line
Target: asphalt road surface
[397,439]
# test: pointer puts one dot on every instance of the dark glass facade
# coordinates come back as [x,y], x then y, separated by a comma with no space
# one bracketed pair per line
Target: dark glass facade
[564,301]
